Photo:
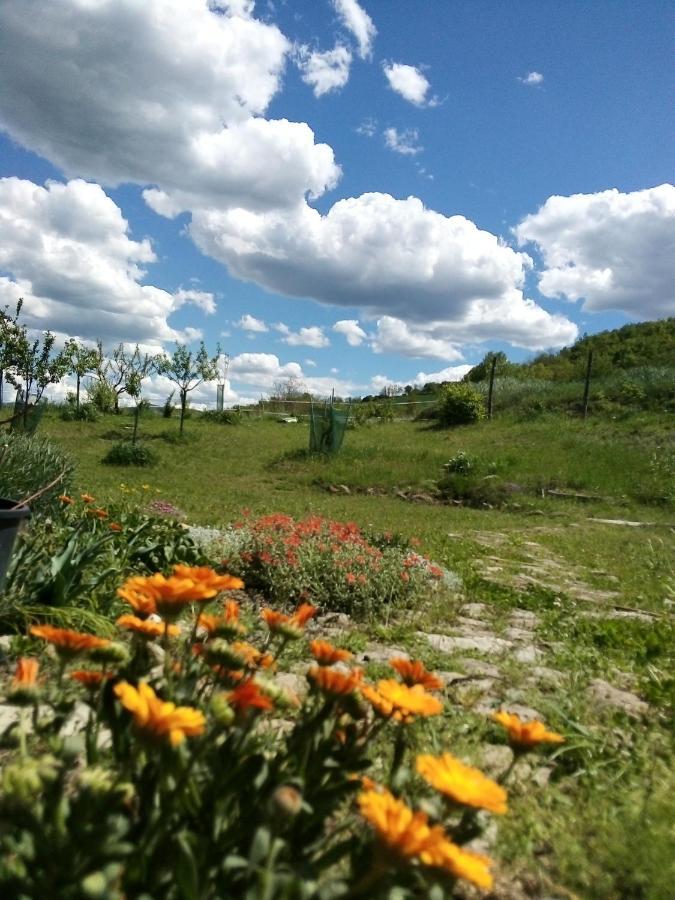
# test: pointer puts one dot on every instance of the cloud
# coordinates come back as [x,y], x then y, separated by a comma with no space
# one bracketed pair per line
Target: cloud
[66,249]
[532,78]
[452,373]
[311,363]
[357,20]
[312,336]
[203,299]
[388,257]
[368,127]
[409,82]
[195,81]
[325,71]
[250,323]
[611,250]
[404,142]
[394,336]
[352,331]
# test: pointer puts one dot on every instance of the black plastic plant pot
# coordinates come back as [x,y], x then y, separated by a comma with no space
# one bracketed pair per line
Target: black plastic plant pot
[11,519]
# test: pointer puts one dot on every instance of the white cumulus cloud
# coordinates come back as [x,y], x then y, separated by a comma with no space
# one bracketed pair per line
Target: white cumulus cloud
[409,82]
[395,336]
[250,323]
[165,93]
[311,336]
[612,250]
[66,249]
[325,71]
[404,142]
[350,328]
[388,257]
[452,373]
[532,78]
[356,19]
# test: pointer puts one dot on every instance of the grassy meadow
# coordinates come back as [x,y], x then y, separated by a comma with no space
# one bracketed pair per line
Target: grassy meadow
[601,595]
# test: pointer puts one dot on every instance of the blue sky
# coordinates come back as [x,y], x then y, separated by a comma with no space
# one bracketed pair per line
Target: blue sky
[349,193]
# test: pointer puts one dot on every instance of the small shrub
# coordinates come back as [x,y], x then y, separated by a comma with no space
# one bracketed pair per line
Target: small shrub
[125,453]
[29,463]
[70,412]
[461,404]
[222,417]
[332,564]
[461,462]
[169,406]
[102,396]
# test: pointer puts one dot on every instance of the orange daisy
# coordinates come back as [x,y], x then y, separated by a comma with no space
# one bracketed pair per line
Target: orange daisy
[334,683]
[462,783]
[392,699]
[289,626]
[25,675]
[115,526]
[414,672]
[525,735]
[166,596]
[97,512]
[247,696]
[146,628]
[87,498]
[68,643]
[156,719]
[90,678]
[206,576]
[65,499]
[326,654]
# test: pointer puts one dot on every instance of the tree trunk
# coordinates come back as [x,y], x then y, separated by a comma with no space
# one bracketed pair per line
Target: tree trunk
[117,404]
[133,437]
[183,404]
[77,393]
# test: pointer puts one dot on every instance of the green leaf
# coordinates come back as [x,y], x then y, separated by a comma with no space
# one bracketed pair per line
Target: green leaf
[186,870]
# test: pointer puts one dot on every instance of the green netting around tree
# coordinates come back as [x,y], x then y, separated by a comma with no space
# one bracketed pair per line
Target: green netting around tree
[327,429]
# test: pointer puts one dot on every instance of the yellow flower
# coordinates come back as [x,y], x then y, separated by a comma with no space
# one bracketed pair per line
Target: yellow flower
[462,783]
[414,672]
[157,719]
[525,735]
[146,628]
[407,834]
[68,643]
[392,699]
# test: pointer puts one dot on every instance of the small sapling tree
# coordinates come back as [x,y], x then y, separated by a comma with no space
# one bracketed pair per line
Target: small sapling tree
[82,361]
[139,366]
[187,370]
[113,372]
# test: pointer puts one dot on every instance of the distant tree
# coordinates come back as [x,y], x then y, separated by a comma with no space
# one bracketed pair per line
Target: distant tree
[81,361]
[187,370]
[29,365]
[113,370]
[290,388]
[481,372]
[139,366]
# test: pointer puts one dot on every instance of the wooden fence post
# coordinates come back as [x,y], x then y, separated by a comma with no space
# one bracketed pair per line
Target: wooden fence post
[491,388]
[587,383]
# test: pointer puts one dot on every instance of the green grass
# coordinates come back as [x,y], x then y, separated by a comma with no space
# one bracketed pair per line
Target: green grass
[602,828]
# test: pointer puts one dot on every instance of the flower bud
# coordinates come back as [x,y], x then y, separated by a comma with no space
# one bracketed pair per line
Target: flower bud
[23,781]
[221,710]
[285,803]
[114,653]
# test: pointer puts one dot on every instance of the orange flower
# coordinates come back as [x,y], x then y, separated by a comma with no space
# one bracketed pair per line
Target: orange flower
[408,837]
[289,626]
[334,683]
[166,596]
[26,673]
[68,643]
[115,526]
[65,499]
[97,512]
[89,678]
[414,672]
[473,867]
[147,629]
[462,783]
[326,654]
[525,735]
[231,611]
[206,576]
[87,498]
[249,696]
[156,719]
[392,699]
[222,626]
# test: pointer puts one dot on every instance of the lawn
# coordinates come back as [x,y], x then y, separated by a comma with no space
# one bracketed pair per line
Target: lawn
[576,612]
